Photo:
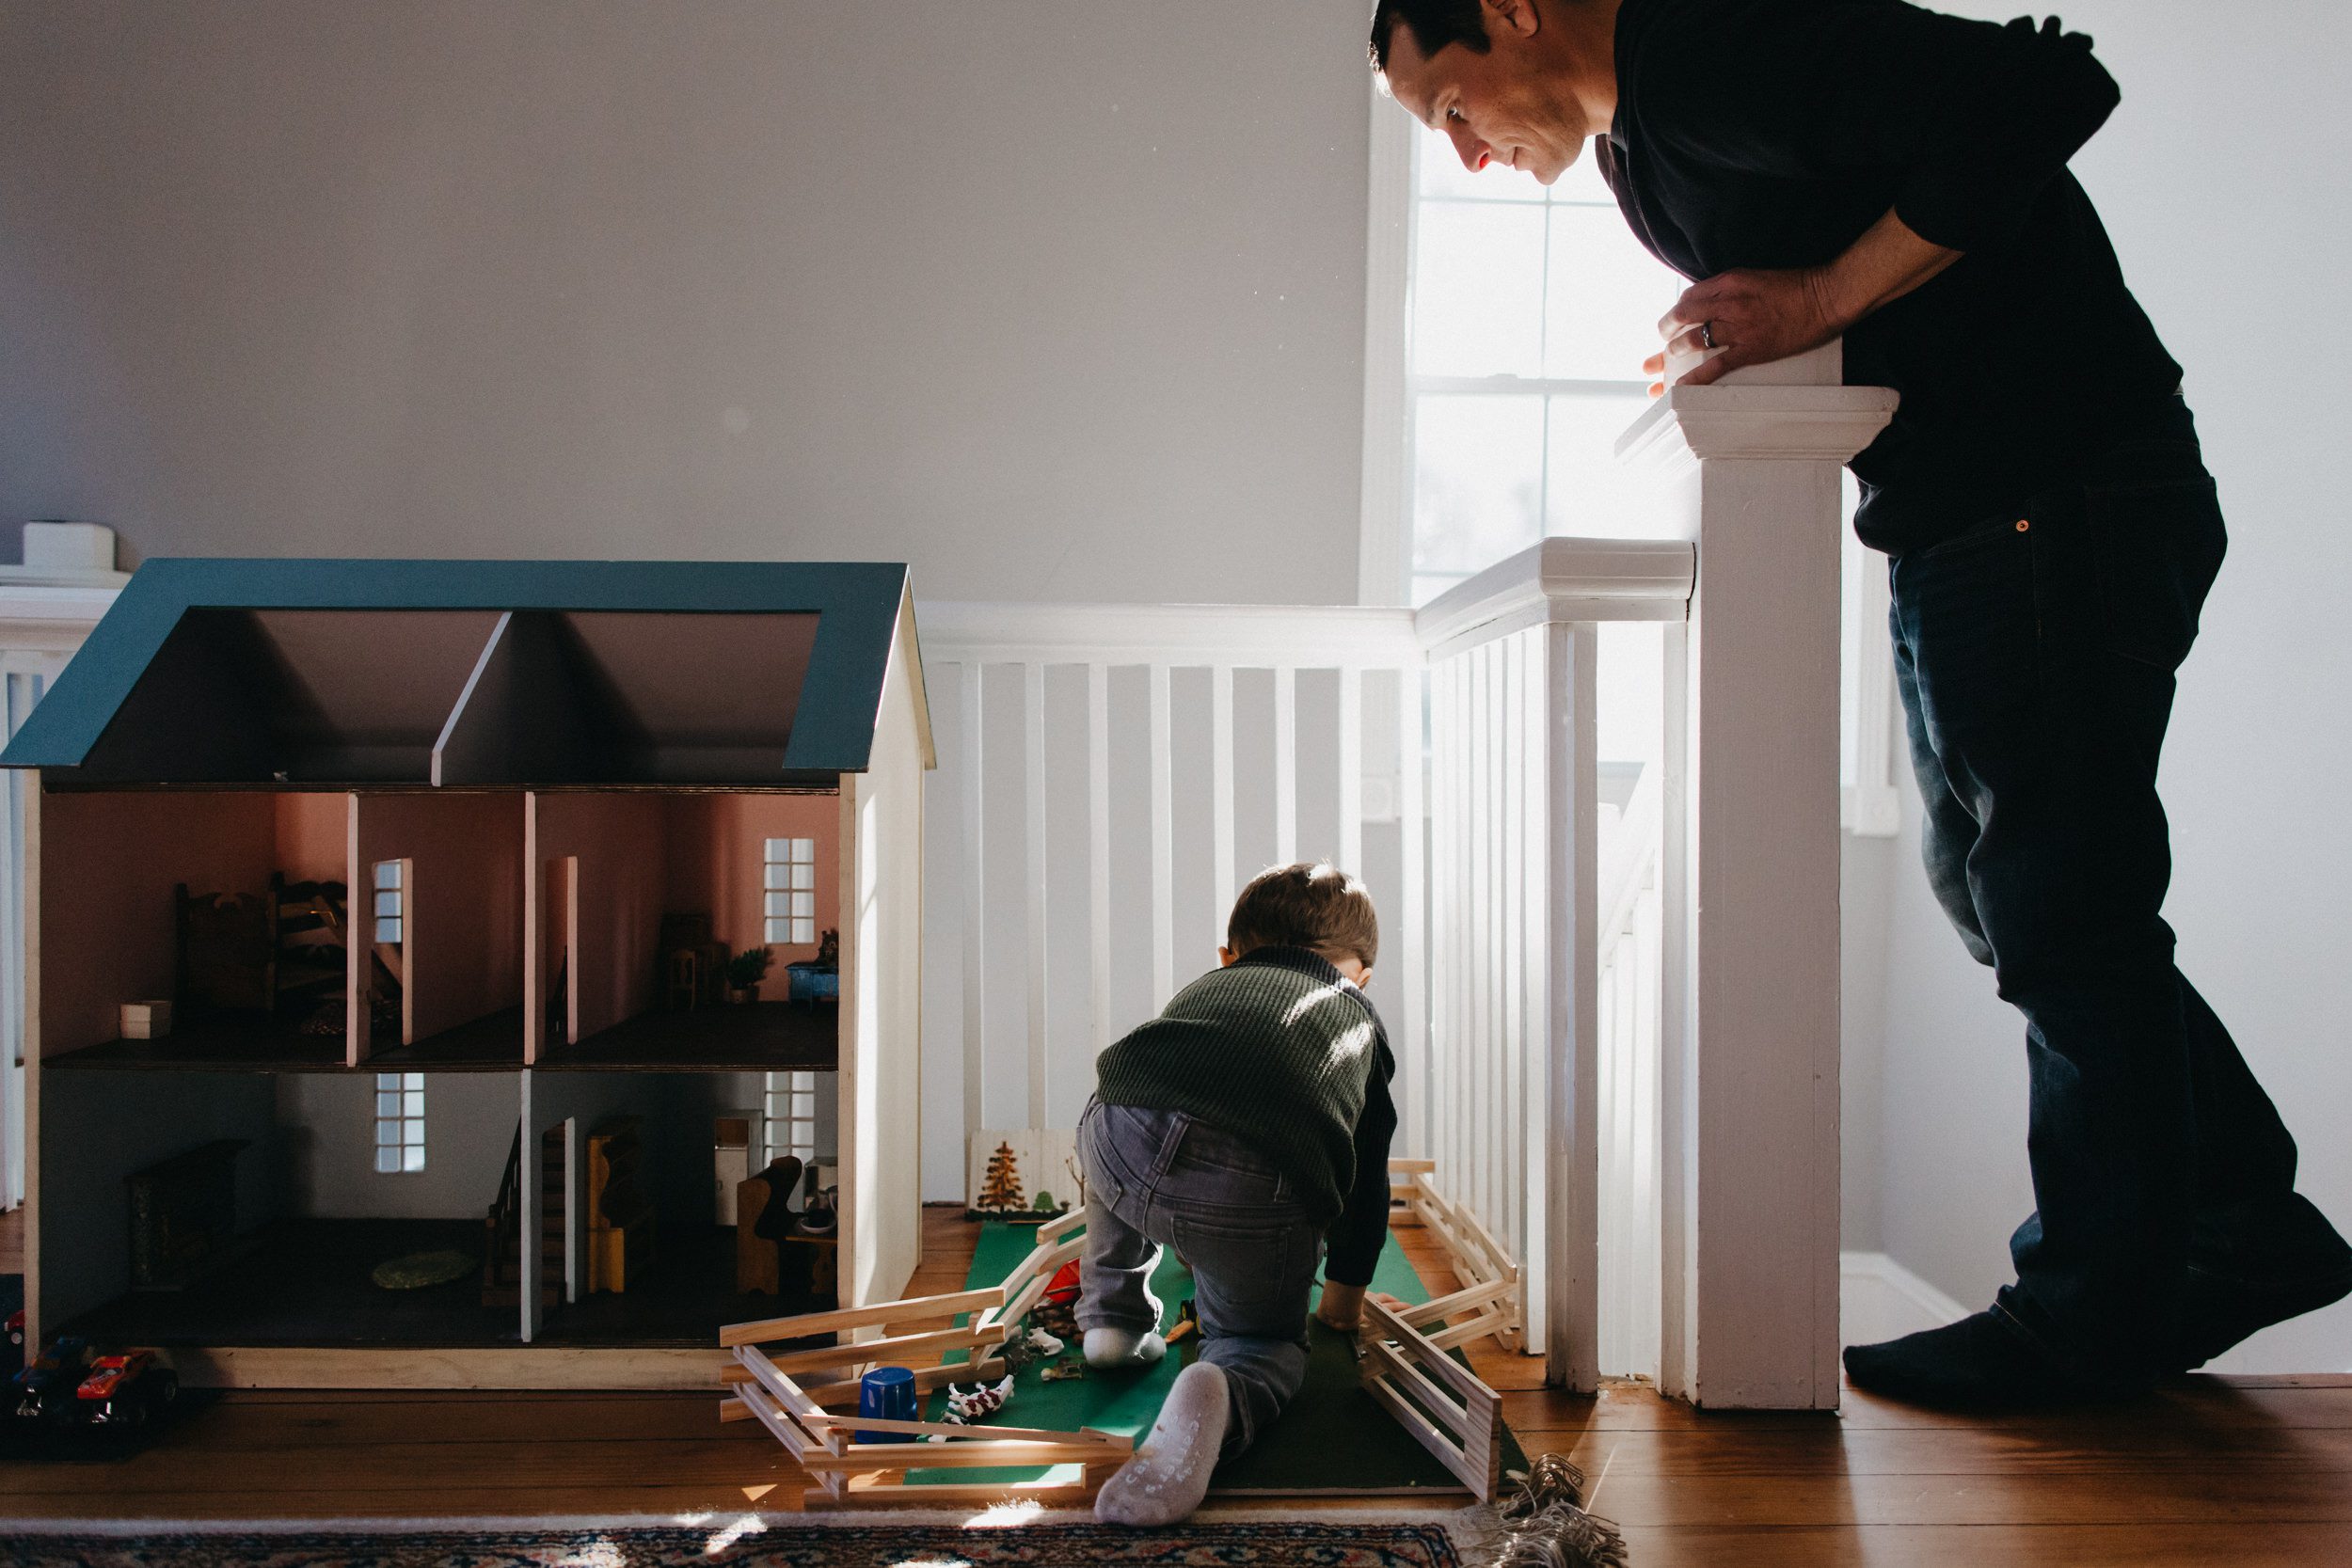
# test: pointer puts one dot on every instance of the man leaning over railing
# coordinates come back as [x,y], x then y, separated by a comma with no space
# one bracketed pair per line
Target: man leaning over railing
[1869,169]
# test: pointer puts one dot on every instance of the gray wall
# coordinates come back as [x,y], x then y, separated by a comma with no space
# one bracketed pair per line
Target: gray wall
[2219,178]
[124,1122]
[327,1139]
[1036,294]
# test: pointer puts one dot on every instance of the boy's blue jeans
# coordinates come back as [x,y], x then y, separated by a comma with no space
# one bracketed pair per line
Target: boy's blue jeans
[2035,657]
[1160,1179]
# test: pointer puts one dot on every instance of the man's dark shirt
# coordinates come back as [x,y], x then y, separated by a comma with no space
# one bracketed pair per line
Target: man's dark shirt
[1773,132]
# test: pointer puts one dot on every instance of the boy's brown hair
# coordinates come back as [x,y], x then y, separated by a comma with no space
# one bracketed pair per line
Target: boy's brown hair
[1312,904]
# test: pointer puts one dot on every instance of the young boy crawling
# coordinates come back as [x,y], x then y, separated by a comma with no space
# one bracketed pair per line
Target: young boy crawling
[1248,1126]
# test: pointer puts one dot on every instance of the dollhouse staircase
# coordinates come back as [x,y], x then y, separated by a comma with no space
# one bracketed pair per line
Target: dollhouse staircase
[503,1253]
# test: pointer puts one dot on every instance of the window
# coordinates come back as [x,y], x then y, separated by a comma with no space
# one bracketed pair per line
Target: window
[1531,310]
[399,1123]
[792,1115]
[389,905]
[789,877]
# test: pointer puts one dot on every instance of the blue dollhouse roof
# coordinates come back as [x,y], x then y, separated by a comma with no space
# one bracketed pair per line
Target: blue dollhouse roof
[585,673]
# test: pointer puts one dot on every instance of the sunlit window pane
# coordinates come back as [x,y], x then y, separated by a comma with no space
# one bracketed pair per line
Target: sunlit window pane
[1606,295]
[1478,289]
[1582,181]
[1589,494]
[412,1158]
[1477,479]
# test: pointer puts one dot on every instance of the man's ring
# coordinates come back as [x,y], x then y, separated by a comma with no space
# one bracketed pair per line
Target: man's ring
[1706,334]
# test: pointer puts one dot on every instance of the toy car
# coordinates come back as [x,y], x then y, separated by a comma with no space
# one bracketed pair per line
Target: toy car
[125,1390]
[44,1389]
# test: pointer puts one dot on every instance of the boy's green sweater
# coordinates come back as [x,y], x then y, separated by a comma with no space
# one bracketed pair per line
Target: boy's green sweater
[1277,1049]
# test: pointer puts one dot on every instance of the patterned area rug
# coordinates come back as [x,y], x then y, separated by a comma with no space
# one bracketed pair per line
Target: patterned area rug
[753,1543]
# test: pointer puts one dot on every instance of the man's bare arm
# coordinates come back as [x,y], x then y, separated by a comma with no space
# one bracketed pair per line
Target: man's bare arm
[1756,315]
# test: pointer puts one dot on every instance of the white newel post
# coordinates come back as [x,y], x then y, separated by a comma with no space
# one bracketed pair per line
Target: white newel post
[1749,875]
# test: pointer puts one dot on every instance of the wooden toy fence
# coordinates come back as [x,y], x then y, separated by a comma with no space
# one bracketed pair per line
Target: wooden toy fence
[1406,1367]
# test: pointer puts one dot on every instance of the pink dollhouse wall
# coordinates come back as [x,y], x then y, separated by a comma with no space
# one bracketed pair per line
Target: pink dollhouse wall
[619,842]
[107,866]
[463,903]
[717,846]
[313,836]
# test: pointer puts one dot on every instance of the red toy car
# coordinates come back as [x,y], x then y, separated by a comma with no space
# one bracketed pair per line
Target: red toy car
[125,1390]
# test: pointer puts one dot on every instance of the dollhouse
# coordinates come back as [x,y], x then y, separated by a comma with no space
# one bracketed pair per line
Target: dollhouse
[388,921]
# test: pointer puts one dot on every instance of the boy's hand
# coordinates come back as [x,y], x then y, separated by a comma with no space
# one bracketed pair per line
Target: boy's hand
[1342,1308]
[1343,1305]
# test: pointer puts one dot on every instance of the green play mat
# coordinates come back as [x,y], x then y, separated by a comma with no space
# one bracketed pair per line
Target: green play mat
[1334,1437]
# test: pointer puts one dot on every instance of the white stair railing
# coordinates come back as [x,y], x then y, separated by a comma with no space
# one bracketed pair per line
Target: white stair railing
[1489,968]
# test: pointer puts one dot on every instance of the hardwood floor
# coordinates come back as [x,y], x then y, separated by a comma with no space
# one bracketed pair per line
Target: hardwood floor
[2248,1471]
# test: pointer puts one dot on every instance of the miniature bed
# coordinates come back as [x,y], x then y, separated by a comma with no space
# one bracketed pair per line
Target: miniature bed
[1448,1432]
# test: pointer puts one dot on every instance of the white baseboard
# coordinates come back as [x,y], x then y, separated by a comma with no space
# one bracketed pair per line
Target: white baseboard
[1879,1299]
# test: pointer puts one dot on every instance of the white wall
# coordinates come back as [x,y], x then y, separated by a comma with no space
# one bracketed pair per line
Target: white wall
[2220,178]
[1025,294]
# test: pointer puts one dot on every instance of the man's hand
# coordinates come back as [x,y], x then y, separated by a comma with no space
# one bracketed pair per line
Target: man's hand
[1751,315]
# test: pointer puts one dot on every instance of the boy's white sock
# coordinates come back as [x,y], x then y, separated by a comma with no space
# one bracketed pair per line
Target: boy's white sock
[1107,1348]
[1168,1475]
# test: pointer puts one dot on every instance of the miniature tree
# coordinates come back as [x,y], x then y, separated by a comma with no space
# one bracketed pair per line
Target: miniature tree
[1000,1184]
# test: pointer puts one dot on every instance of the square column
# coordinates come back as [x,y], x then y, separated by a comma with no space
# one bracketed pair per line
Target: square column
[1750,1034]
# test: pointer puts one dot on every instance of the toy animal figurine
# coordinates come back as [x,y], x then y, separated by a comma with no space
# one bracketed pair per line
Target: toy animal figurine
[1063,1372]
[977,1404]
[1028,1349]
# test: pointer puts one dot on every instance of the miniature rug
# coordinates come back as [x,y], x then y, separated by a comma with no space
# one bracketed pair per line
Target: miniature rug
[1057,1540]
[1334,1437]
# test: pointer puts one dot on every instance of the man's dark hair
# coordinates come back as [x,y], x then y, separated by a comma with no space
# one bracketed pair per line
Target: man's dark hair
[1434,23]
[1312,905]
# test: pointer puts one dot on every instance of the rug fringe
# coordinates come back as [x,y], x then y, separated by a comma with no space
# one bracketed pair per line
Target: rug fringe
[1545,1525]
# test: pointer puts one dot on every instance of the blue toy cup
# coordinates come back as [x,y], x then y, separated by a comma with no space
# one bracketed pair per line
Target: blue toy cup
[887,1394]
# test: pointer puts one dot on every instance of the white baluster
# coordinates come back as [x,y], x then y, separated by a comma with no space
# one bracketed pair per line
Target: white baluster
[1033,786]
[1221,786]
[975,905]
[1285,766]
[1351,723]
[1099,848]
[1411,1042]
[1163,848]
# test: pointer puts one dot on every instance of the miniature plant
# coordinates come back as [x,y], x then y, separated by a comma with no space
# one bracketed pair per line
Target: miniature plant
[748,968]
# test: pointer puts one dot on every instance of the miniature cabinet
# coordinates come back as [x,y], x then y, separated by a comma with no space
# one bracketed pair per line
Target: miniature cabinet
[415,848]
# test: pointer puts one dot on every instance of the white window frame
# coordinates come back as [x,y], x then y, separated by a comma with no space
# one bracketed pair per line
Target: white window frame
[791,1111]
[1871,800]
[400,1126]
[792,880]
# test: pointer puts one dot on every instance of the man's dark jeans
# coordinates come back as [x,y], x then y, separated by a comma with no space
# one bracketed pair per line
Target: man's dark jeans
[2035,657]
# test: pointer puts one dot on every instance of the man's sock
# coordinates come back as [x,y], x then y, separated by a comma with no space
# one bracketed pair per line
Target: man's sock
[1975,1363]
[2266,1269]
[1110,1348]
[1168,1475]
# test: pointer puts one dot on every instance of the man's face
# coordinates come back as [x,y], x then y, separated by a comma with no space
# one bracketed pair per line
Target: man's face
[1502,107]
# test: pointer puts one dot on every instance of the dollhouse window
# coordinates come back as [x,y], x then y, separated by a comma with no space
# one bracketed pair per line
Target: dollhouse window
[792,1115]
[789,877]
[388,901]
[399,1123]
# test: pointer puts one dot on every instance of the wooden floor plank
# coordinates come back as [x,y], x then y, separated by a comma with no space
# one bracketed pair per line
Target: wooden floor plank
[2250,1472]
